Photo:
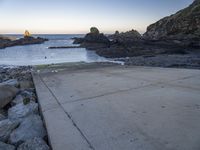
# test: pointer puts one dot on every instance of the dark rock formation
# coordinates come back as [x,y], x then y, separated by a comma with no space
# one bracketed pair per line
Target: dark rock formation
[23,41]
[124,37]
[93,40]
[182,28]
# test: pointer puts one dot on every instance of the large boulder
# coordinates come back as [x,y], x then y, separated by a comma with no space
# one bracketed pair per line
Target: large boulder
[11,82]
[183,26]
[20,111]
[6,127]
[7,93]
[30,128]
[4,146]
[34,144]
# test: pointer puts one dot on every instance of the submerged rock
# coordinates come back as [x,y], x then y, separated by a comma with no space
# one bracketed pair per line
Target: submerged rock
[20,111]
[30,128]
[6,127]
[34,144]
[4,146]
[7,93]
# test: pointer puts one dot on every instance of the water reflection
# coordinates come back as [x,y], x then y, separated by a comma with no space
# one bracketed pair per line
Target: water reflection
[40,54]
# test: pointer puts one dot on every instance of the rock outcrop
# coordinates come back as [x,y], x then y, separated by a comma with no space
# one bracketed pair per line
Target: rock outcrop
[129,36]
[23,41]
[93,40]
[182,27]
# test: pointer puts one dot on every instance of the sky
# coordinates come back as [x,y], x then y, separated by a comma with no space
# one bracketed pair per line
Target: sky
[77,16]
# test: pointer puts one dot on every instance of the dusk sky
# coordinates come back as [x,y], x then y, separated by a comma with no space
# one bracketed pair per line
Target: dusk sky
[77,16]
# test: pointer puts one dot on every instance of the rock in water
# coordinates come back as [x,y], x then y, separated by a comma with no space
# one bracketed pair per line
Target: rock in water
[34,144]
[94,30]
[183,25]
[6,127]
[4,146]
[20,111]
[2,117]
[94,37]
[30,128]
[7,93]
[11,82]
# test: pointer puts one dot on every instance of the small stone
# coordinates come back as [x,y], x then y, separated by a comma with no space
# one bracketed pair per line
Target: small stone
[7,93]
[20,111]
[29,128]
[4,146]
[6,127]
[34,144]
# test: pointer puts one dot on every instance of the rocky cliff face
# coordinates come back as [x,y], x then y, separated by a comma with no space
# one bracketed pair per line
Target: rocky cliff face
[184,25]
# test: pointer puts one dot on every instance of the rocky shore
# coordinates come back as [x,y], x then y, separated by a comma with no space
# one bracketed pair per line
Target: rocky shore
[7,42]
[21,126]
[178,35]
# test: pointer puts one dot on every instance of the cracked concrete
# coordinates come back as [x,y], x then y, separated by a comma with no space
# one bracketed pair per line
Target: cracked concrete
[119,107]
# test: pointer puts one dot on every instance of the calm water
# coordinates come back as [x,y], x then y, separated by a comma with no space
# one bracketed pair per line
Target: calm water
[40,54]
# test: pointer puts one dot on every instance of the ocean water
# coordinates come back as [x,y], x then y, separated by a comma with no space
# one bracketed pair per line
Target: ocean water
[40,54]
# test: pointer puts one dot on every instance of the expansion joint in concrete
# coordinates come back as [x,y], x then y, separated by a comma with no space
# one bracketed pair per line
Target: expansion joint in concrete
[68,115]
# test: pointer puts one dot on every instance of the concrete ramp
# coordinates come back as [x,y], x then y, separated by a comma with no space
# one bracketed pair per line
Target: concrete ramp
[109,107]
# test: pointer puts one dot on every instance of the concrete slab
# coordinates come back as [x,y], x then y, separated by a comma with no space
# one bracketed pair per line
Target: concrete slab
[117,107]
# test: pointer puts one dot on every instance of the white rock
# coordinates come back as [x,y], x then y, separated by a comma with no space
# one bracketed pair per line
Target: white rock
[7,93]
[30,128]
[6,127]
[4,146]
[20,111]
[34,144]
